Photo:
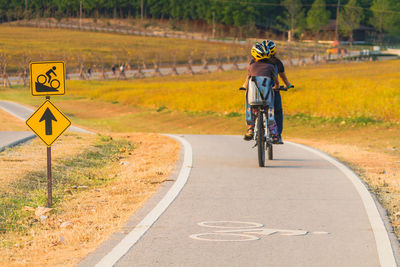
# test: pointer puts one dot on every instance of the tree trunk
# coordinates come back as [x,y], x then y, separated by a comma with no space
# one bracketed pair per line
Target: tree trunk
[290,33]
[351,40]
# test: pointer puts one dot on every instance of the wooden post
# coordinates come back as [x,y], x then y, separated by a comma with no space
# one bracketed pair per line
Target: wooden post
[205,64]
[174,71]
[189,69]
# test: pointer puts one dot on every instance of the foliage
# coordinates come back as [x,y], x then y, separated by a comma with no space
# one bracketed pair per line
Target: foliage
[350,18]
[294,18]
[317,16]
[266,14]
[386,16]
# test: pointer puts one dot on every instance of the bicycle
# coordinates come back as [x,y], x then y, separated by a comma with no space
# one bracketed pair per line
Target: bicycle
[262,134]
[42,79]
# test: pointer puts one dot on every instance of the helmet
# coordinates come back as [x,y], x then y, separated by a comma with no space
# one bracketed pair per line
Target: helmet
[259,52]
[271,45]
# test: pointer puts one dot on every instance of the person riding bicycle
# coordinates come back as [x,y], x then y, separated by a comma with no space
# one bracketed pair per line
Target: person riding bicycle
[259,67]
[50,72]
[281,71]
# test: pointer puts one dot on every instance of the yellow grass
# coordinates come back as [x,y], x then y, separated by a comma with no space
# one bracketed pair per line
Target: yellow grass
[98,212]
[353,90]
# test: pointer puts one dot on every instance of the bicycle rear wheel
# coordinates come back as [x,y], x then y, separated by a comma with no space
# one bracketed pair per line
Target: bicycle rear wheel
[261,139]
[270,152]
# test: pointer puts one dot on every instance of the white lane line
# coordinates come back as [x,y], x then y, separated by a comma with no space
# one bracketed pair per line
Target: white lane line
[130,240]
[383,245]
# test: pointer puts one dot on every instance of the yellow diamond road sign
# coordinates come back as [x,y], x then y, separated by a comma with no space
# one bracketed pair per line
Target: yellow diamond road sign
[48,123]
[47,78]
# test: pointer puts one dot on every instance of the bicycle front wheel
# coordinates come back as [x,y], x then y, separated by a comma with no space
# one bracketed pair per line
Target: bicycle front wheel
[261,139]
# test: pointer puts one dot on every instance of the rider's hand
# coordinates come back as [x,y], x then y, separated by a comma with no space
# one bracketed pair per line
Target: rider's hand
[289,86]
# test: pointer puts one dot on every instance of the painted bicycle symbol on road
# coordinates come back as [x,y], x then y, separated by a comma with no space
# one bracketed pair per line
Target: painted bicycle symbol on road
[236,231]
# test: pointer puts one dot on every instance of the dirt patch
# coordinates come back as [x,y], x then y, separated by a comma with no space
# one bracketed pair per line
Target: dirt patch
[10,123]
[88,218]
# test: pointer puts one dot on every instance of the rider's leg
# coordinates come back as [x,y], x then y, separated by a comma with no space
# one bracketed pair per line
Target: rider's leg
[250,121]
[278,112]
[279,116]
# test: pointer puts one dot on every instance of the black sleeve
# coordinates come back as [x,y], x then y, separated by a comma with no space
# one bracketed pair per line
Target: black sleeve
[280,66]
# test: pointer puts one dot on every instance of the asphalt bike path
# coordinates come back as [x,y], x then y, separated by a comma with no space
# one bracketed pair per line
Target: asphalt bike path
[301,210]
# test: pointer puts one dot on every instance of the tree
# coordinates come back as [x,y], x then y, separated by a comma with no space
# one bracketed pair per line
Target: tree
[294,18]
[350,18]
[317,17]
[384,16]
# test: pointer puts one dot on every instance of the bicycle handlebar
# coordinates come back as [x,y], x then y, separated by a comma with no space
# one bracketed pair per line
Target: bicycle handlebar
[281,88]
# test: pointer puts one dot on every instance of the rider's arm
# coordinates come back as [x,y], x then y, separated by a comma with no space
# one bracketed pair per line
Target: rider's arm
[284,78]
[276,81]
[246,82]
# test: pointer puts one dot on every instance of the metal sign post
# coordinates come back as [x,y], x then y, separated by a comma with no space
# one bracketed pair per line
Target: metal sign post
[47,122]
[49,178]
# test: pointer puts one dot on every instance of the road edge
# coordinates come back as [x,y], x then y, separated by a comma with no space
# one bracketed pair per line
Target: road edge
[135,235]
[20,141]
[384,247]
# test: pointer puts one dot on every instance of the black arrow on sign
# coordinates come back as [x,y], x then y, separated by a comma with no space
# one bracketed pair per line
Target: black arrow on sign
[48,117]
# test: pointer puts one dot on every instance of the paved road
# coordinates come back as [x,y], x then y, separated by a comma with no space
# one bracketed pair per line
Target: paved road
[299,211]
[10,138]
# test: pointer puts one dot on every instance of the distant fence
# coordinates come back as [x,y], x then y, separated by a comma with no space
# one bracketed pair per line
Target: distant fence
[141,69]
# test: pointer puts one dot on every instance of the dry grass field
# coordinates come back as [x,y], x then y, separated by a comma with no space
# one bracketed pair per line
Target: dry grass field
[98,48]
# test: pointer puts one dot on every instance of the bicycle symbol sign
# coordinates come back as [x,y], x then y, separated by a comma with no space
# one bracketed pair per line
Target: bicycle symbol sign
[235,231]
[47,78]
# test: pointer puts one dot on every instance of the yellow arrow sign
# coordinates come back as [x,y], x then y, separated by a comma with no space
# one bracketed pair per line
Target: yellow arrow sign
[47,78]
[48,123]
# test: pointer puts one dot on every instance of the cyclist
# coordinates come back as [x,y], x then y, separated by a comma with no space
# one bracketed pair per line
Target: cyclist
[51,71]
[281,71]
[259,67]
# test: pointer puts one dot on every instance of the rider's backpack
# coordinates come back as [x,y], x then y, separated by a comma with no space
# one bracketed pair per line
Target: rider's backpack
[259,89]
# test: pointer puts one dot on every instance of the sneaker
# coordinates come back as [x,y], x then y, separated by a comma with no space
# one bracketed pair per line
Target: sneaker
[275,139]
[249,135]
[280,141]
